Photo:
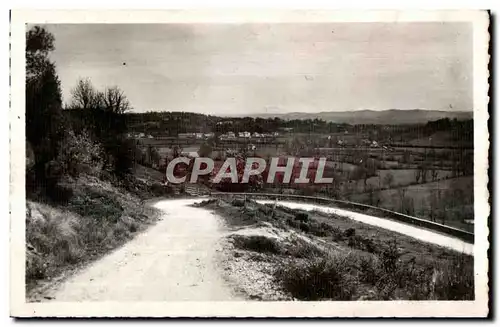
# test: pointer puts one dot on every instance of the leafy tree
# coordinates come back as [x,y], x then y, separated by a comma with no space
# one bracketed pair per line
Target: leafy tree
[39,43]
[45,124]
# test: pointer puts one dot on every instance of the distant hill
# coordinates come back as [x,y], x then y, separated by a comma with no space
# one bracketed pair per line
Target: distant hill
[393,116]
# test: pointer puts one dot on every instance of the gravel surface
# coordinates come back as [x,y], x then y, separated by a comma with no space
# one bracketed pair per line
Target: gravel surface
[172,261]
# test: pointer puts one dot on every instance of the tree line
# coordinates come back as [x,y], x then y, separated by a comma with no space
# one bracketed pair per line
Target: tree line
[85,136]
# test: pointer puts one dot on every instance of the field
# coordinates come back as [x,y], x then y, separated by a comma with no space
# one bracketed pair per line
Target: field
[401,177]
[453,194]
[417,173]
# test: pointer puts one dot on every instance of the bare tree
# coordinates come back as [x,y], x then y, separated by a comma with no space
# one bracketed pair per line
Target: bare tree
[434,173]
[418,173]
[435,204]
[423,173]
[406,157]
[374,198]
[114,99]
[85,96]
[406,203]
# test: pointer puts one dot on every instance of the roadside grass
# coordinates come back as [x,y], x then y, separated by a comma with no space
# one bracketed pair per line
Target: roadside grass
[319,278]
[97,218]
[354,275]
[349,260]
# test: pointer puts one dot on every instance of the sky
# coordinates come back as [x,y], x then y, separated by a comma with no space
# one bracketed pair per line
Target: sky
[230,69]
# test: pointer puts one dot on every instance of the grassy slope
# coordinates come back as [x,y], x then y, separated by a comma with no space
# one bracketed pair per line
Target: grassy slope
[348,260]
[97,218]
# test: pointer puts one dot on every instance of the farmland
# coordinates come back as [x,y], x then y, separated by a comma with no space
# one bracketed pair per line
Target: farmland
[413,169]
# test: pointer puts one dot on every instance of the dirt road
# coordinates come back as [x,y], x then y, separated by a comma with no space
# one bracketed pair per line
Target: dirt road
[177,259]
[173,260]
[415,232]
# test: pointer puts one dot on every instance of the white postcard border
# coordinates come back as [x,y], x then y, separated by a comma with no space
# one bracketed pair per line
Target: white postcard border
[478,307]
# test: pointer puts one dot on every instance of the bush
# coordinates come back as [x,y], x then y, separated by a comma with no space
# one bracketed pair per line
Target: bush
[302,216]
[80,154]
[455,280]
[390,257]
[300,248]
[362,243]
[159,190]
[316,230]
[369,269]
[350,232]
[304,227]
[238,203]
[293,223]
[319,278]
[97,205]
[35,267]
[257,243]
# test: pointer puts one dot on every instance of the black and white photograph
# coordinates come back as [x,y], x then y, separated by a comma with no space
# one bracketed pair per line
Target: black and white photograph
[272,164]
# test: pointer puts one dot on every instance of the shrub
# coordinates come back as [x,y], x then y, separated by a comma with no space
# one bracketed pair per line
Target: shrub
[349,232]
[292,223]
[300,248]
[319,278]
[455,280]
[369,269]
[98,205]
[80,154]
[35,267]
[362,243]
[157,189]
[238,203]
[124,154]
[302,216]
[304,227]
[257,243]
[390,257]
[318,229]
[265,210]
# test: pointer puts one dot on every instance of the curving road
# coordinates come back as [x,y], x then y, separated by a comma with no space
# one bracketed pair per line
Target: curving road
[415,232]
[174,260]
[177,258]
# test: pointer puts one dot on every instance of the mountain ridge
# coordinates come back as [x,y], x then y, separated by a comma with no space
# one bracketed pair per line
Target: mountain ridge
[368,116]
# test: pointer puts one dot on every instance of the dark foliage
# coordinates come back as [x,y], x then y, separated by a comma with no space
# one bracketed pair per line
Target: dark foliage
[45,124]
[302,216]
[256,243]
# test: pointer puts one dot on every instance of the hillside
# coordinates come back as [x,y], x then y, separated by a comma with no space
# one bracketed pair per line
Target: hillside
[393,116]
[279,253]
